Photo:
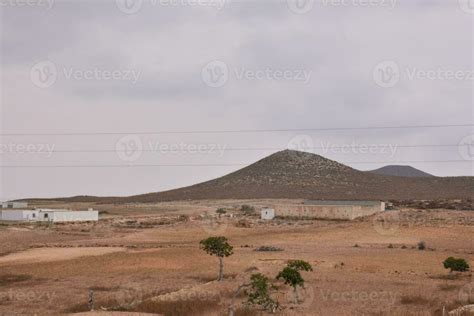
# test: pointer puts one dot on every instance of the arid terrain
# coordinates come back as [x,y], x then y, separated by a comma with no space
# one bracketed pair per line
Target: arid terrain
[146,258]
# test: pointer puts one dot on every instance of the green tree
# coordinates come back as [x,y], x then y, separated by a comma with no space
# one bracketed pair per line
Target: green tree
[259,293]
[291,275]
[219,247]
[221,211]
[456,264]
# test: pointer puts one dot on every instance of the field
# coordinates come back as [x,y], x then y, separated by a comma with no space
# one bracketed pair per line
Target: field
[146,258]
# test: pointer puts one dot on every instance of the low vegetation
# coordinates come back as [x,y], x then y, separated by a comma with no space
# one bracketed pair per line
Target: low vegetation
[421,245]
[220,211]
[268,249]
[247,210]
[456,264]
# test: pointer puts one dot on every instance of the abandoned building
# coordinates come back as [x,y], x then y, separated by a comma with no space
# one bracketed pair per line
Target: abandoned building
[343,210]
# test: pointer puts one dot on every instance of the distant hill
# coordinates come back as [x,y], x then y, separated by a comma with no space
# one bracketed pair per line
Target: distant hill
[401,171]
[300,175]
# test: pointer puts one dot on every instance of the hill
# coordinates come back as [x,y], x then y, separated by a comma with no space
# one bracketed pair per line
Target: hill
[293,174]
[401,171]
[300,175]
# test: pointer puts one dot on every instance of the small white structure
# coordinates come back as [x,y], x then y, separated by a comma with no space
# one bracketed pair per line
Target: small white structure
[268,214]
[14,205]
[20,215]
[49,215]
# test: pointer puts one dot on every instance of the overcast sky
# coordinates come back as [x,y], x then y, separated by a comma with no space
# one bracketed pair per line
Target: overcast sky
[82,80]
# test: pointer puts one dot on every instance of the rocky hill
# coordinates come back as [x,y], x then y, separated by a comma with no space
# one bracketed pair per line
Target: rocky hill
[401,171]
[293,174]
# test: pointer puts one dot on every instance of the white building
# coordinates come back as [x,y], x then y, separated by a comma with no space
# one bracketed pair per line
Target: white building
[268,214]
[49,215]
[14,205]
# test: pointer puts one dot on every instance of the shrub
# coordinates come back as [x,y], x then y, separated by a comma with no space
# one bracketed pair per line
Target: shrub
[456,264]
[247,210]
[390,246]
[421,245]
[221,211]
[268,248]
[259,293]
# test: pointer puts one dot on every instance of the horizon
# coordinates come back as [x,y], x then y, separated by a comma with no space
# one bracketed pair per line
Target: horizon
[236,170]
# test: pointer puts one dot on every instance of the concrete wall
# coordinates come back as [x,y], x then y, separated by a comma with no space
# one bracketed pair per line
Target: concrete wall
[73,216]
[22,205]
[19,215]
[343,212]
[49,216]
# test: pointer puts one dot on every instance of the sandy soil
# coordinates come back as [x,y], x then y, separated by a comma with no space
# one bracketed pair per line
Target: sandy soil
[55,254]
[144,262]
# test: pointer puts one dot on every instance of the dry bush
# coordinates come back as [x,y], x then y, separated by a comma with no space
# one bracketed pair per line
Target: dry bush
[179,307]
[268,249]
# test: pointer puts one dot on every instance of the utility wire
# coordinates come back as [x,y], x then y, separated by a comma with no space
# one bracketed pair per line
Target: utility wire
[238,130]
[233,149]
[215,165]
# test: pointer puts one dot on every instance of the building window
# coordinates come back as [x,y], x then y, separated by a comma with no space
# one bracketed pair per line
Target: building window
[33,215]
[45,215]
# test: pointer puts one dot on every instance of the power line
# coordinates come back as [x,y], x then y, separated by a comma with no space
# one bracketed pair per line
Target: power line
[329,147]
[214,165]
[238,130]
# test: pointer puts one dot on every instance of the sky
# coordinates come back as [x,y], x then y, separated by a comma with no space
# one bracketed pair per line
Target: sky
[125,97]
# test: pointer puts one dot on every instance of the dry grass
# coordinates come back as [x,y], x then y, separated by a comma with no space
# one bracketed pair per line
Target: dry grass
[168,257]
[449,287]
[8,279]
[179,307]
[413,300]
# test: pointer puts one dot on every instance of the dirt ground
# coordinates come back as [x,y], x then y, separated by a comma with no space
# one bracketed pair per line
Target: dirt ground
[146,259]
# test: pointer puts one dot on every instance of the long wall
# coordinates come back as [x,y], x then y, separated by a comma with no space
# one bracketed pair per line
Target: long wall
[344,212]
